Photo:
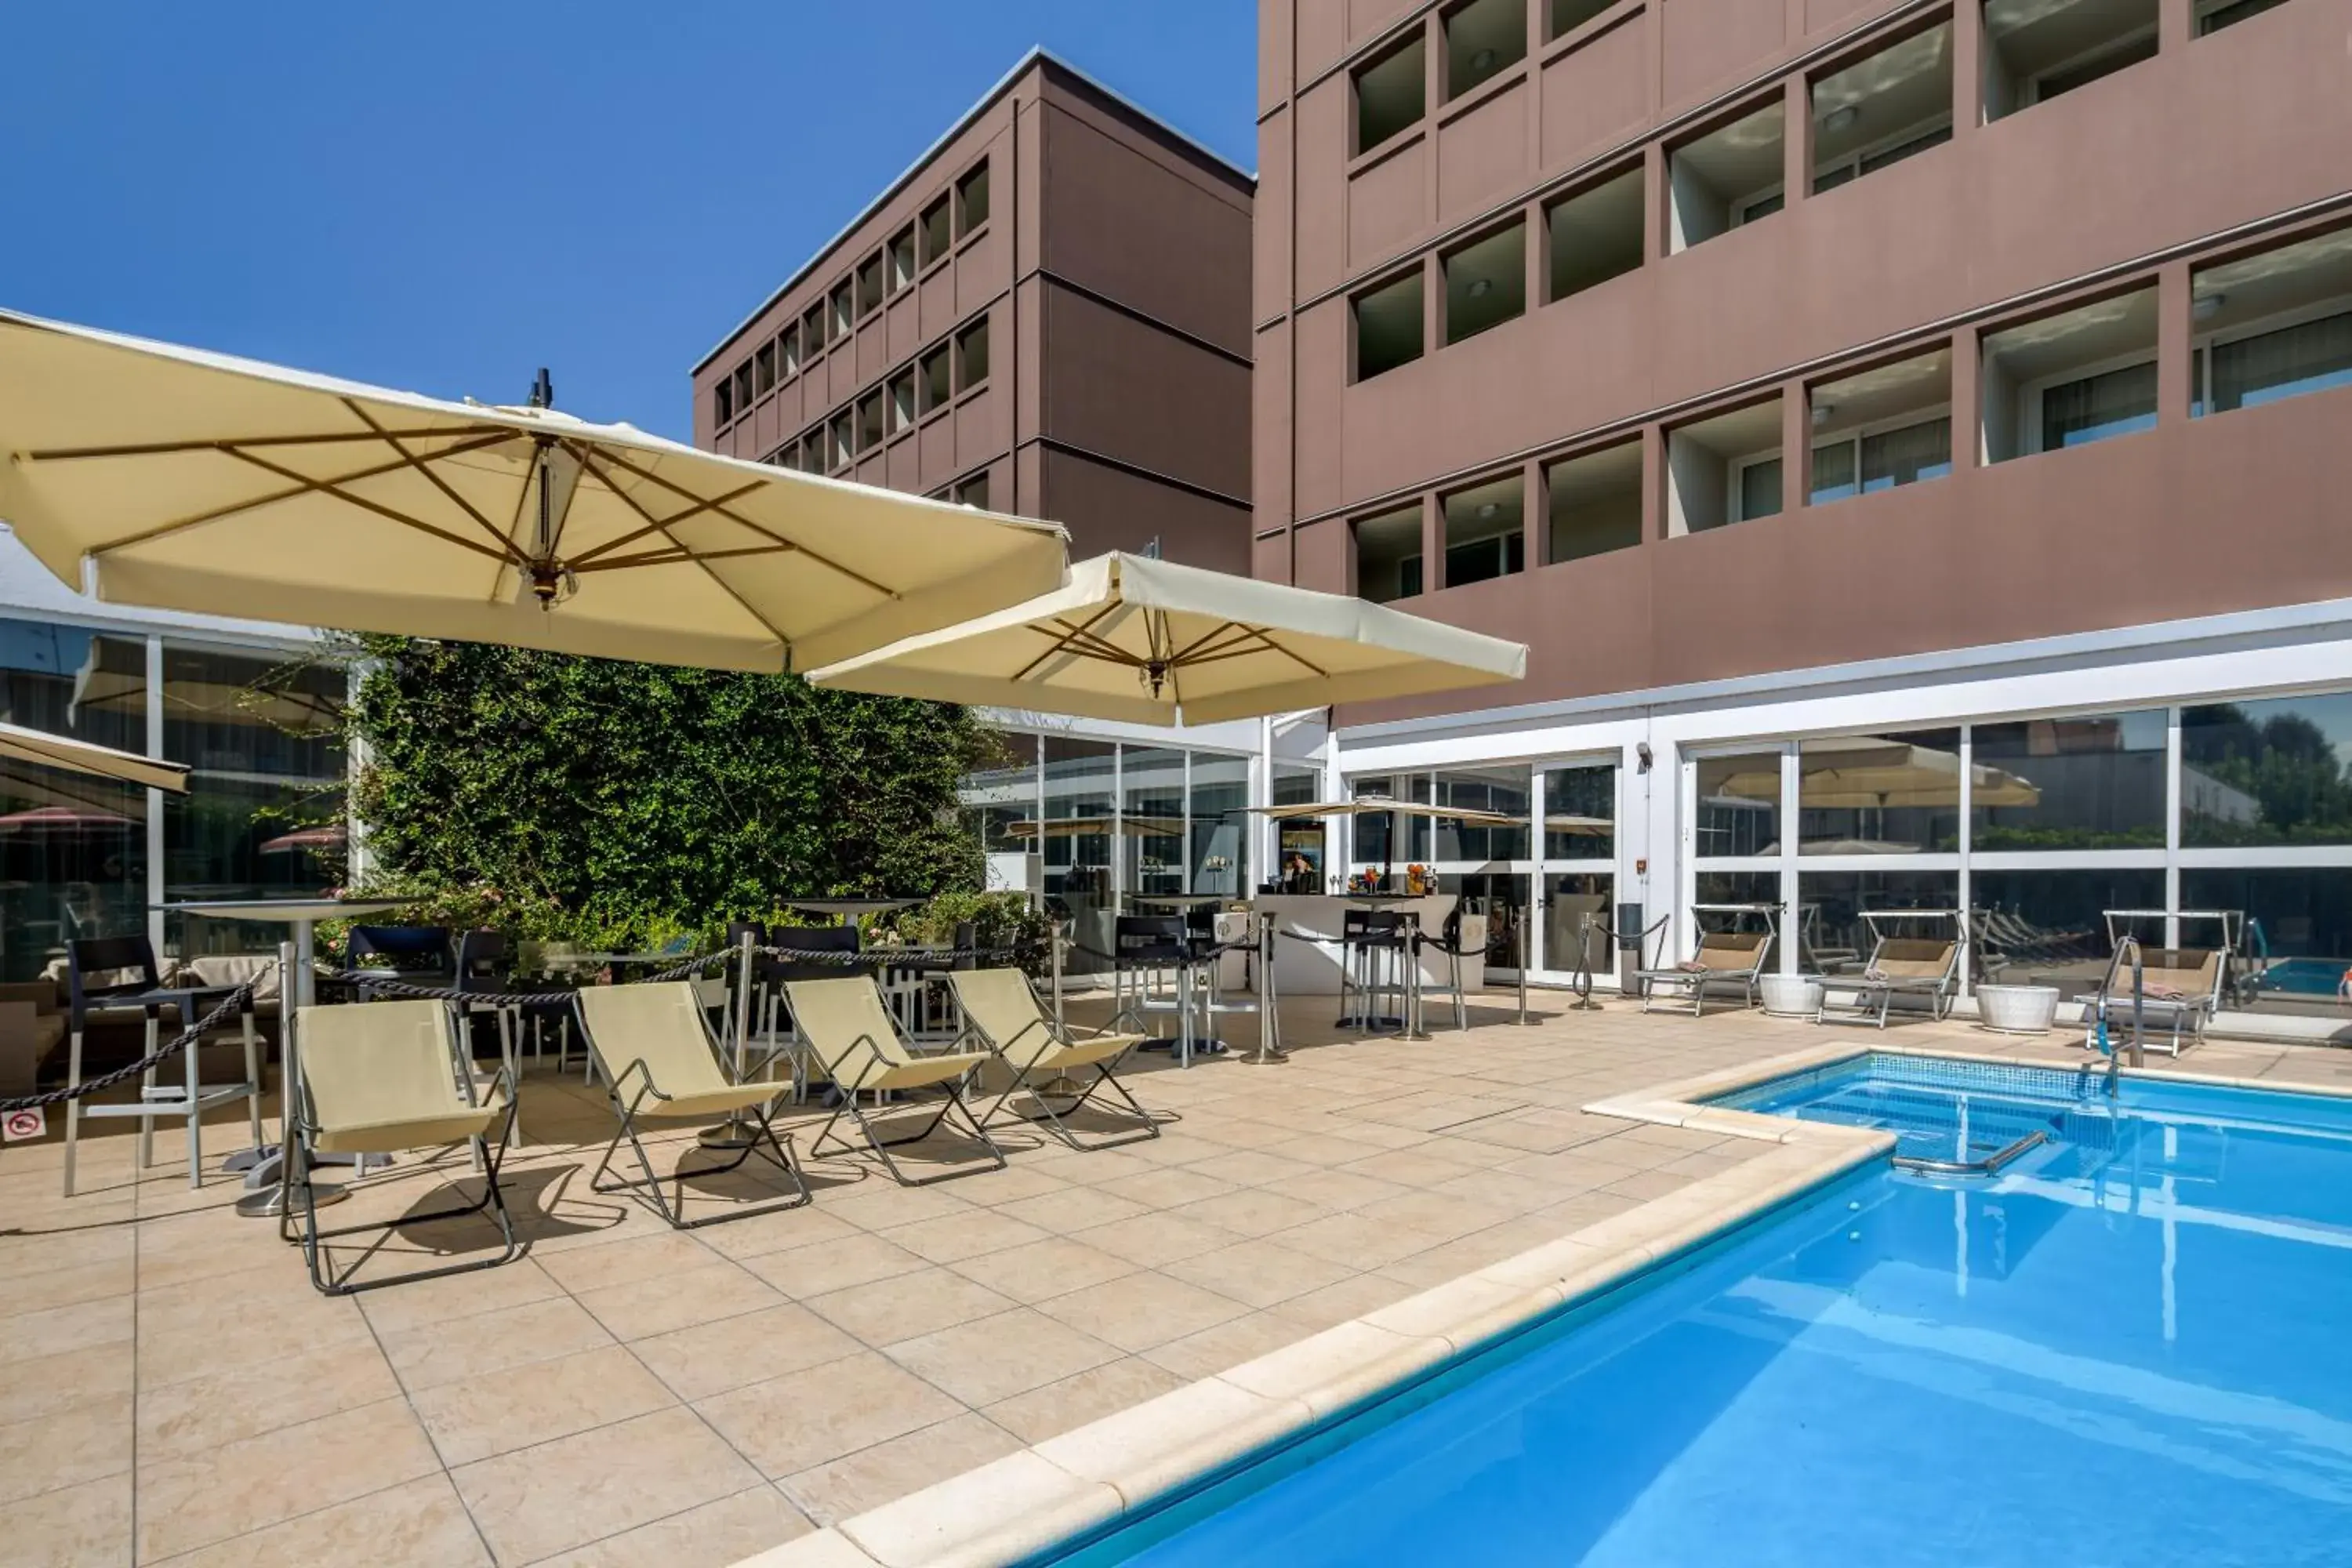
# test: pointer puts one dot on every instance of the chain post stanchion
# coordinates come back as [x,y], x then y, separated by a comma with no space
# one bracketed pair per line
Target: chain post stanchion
[735,1132]
[1520,944]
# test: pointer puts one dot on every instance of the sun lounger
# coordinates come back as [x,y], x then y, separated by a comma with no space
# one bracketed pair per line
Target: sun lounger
[1924,967]
[1002,1009]
[380,1077]
[1723,960]
[2180,990]
[652,1043]
[854,1042]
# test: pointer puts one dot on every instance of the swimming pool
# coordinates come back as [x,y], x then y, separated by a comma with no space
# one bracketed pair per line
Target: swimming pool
[2130,1350]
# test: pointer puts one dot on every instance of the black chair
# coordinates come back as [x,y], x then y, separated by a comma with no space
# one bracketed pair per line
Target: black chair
[1373,953]
[844,938]
[1144,950]
[410,955]
[119,974]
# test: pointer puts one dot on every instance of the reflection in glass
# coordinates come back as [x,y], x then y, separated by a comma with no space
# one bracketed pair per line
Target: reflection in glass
[1892,794]
[2095,783]
[2269,772]
[997,799]
[1740,804]
[1078,863]
[73,863]
[1382,838]
[1220,824]
[1502,897]
[1831,936]
[2297,944]
[1571,899]
[1298,856]
[2048,928]
[1580,813]
[1155,833]
[1736,887]
[1497,789]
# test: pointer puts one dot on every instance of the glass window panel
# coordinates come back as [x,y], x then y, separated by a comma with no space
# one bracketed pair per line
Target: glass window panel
[2295,954]
[938,378]
[2114,402]
[2311,356]
[2046,928]
[971,199]
[1740,804]
[1759,489]
[1077,840]
[1831,936]
[1572,901]
[1500,789]
[1382,837]
[1502,897]
[1155,830]
[995,799]
[1580,812]
[971,348]
[1483,39]
[2088,783]
[1298,841]
[1833,472]
[1732,888]
[1915,452]
[935,231]
[1221,824]
[1892,794]
[2267,773]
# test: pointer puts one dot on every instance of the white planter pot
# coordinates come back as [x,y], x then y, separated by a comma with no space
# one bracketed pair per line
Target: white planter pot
[1792,995]
[2018,1009]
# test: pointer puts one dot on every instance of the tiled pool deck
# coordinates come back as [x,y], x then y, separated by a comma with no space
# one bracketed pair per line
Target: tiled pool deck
[172,1389]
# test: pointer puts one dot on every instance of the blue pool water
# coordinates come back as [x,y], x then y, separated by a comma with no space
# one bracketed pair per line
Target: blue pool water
[2303,976]
[2134,1347]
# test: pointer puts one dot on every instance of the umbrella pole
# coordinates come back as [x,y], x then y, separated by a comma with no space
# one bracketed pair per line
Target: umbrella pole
[736,1132]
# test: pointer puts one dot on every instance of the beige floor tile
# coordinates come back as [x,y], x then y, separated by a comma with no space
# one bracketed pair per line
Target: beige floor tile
[1169,1189]
[44,1288]
[197,1414]
[1253,1211]
[419,1522]
[679,1301]
[81,1442]
[1258,1168]
[878,1203]
[1138,1311]
[534,1502]
[1088,1396]
[1339,1190]
[1228,1344]
[1259,1273]
[759,1234]
[1077,1206]
[857,1259]
[429,1301]
[889,1311]
[712,1358]
[540,1331]
[1643,1186]
[61,1331]
[74,1377]
[1436,1213]
[196,1500]
[994,1358]
[223,1333]
[1409,1168]
[727,1530]
[1022,1180]
[75,1527]
[1150,1240]
[1053,1267]
[537,1403]
[884,1472]
[25,1255]
[627,1260]
[952,1238]
[1355,1297]
[811,1417]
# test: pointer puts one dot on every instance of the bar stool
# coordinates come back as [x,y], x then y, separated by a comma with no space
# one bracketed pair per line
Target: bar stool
[1373,953]
[1152,970]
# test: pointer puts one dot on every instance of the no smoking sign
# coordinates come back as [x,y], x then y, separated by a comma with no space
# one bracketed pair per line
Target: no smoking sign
[17,1126]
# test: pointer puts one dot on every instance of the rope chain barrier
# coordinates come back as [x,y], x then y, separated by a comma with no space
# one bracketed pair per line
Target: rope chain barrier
[234,1002]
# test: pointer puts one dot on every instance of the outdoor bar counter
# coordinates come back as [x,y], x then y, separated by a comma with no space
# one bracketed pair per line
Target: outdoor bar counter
[1313,968]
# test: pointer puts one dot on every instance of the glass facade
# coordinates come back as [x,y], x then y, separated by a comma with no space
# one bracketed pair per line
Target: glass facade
[1740,804]
[1299,847]
[1834,939]
[2092,782]
[1221,824]
[2266,773]
[1892,793]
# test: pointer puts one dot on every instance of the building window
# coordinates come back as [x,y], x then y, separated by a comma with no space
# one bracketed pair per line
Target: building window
[1885,427]
[869,422]
[1886,793]
[869,287]
[1485,283]
[1388,326]
[788,353]
[935,225]
[1730,176]
[1485,531]
[1483,40]
[812,330]
[743,387]
[2212,16]
[2096,782]
[902,259]
[971,200]
[812,452]
[1388,556]
[1724,469]
[2072,379]
[973,492]
[1595,235]
[1566,16]
[1882,109]
[2050,927]
[1217,799]
[971,356]
[1595,503]
[935,373]
[902,401]
[2272,325]
[841,440]
[843,309]
[1580,813]
[764,370]
[722,402]
[1390,93]
[2267,773]
[1881,459]
[1739,805]
[2035,50]
[2293,927]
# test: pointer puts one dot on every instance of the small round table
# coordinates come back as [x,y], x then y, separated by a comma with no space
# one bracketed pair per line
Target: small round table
[849,910]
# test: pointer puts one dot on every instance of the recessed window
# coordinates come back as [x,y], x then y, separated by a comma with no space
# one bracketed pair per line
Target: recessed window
[1730,176]
[1882,109]
[1390,93]
[812,330]
[743,387]
[1388,556]
[722,401]
[841,440]
[844,315]
[1724,469]
[788,351]
[813,459]
[1485,283]
[2212,16]
[1388,326]
[2082,376]
[1483,40]
[1881,427]
[974,492]
[1595,235]
[1566,16]
[2036,51]
[902,259]
[971,200]
[902,401]
[2272,325]
[1485,531]
[1595,502]
[935,228]
[869,288]
[869,422]
[764,370]
[937,374]
[971,356]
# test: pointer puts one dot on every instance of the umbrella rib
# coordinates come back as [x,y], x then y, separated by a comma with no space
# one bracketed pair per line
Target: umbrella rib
[738,518]
[580,562]
[588,465]
[218,443]
[678,555]
[1070,635]
[333,488]
[255,503]
[506,545]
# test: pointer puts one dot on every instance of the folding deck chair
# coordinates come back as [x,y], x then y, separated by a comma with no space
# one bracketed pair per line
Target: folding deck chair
[2180,988]
[1001,1008]
[653,1044]
[854,1043]
[380,1076]
[1926,967]
[1721,959]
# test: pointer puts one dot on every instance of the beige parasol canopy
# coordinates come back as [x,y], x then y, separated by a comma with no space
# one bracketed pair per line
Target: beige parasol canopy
[1153,642]
[1088,827]
[195,481]
[20,744]
[1866,772]
[1381,805]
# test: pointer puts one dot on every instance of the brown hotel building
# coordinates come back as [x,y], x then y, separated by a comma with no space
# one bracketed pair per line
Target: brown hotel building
[1914,441]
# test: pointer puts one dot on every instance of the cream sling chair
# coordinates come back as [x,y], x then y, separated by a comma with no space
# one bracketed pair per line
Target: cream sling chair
[652,1043]
[852,1040]
[1000,1008]
[380,1076]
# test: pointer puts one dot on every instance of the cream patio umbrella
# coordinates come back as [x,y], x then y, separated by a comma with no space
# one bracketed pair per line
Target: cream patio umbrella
[1865,772]
[22,745]
[1153,642]
[194,481]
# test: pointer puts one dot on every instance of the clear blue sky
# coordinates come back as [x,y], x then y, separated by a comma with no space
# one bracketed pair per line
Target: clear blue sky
[444,197]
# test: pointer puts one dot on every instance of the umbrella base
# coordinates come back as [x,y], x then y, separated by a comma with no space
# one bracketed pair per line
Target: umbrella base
[729,1135]
[271,1202]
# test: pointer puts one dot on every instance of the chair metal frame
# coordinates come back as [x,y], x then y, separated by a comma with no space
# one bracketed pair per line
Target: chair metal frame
[1065,1033]
[1942,992]
[953,1101]
[1697,981]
